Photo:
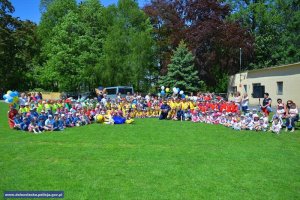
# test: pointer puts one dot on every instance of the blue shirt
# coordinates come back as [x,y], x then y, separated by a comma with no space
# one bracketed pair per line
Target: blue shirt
[165,107]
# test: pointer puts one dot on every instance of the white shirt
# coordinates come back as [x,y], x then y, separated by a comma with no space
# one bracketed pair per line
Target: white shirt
[245,101]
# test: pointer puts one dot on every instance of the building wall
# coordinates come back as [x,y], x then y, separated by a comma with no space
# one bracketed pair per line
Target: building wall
[289,75]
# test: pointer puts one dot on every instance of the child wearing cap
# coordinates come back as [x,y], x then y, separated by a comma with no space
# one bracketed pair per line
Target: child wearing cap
[49,123]
[25,124]
[17,120]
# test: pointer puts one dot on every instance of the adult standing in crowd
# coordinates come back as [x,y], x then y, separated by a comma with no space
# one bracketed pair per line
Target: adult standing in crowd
[11,115]
[266,105]
[292,115]
[245,102]
[22,99]
[238,99]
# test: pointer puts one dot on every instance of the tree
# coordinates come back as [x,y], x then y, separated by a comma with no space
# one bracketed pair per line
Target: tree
[275,26]
[213,40]
[128,47]
[75,51]
[53,12]
[18,45]
[181,71]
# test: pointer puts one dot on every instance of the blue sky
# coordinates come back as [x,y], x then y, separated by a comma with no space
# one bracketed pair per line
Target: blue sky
[29,9]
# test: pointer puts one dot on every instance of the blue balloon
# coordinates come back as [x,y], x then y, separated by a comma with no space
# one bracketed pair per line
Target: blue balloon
[183,96]
[5,96]
[178,90]
[10,99]
[13,94]
[162,92]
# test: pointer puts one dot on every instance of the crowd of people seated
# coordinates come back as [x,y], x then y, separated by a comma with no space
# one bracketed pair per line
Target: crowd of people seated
[37,115]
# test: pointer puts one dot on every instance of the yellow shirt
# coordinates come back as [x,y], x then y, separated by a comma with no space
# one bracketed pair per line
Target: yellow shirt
[185,105]
[192,107]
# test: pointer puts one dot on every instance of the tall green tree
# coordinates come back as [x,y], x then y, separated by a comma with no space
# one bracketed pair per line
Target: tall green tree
[53,12]
[181,71]
[275,27]
[75,50]
[18,46]
[128,47]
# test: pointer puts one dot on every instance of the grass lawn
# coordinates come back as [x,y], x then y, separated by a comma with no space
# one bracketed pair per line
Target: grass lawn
[151,159]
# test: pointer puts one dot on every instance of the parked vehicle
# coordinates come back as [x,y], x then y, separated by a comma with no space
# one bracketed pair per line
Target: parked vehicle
[112,92]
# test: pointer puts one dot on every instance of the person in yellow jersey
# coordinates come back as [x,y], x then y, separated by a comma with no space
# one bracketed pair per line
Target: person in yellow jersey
[47,106]
[27,108]
[40,107]
[22,109]
[173,107]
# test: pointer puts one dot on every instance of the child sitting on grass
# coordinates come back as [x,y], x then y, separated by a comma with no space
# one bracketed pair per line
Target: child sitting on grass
[33,127]
[276,126]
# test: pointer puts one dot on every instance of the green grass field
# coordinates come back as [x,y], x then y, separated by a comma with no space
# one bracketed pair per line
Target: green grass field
[151,159]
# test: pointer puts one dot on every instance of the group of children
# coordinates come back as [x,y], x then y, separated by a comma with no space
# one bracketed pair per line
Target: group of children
[248,121]
[223,113]
[39,115]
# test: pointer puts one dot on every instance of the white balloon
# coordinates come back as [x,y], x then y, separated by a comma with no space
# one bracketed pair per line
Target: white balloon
[181,92]
[174,89]
[162,87]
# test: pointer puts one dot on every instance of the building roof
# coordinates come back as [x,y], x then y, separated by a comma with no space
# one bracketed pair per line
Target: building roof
[275,67]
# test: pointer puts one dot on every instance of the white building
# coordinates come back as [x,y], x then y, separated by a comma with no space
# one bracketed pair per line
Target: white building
[279,81]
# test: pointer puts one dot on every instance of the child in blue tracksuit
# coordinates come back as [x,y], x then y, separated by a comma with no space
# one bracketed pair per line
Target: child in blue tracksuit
[18,120]
[25,124]
[41,124]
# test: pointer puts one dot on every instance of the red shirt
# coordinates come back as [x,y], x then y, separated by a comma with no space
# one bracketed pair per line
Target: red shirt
[11,116]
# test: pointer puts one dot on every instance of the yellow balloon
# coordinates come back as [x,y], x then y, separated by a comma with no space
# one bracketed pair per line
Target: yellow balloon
[167,89]
[8,92]
[16,100]
[129,121]
[99,118]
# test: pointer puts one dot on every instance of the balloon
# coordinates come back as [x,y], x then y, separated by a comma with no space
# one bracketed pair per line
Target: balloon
[8,92]
[158,94]
[175,90]
[182,96]
[129,121]
[181,92]
[99,118]
[162,87]
[186,96]
[5,96]
[178,90]
[162,93]
[14,94]
[167,89]
[16,100]
[9,100]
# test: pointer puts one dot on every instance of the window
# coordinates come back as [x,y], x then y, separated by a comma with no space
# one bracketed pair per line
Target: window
[245,88]
[125,90]
[280,88]
[233,90]
[111,91]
